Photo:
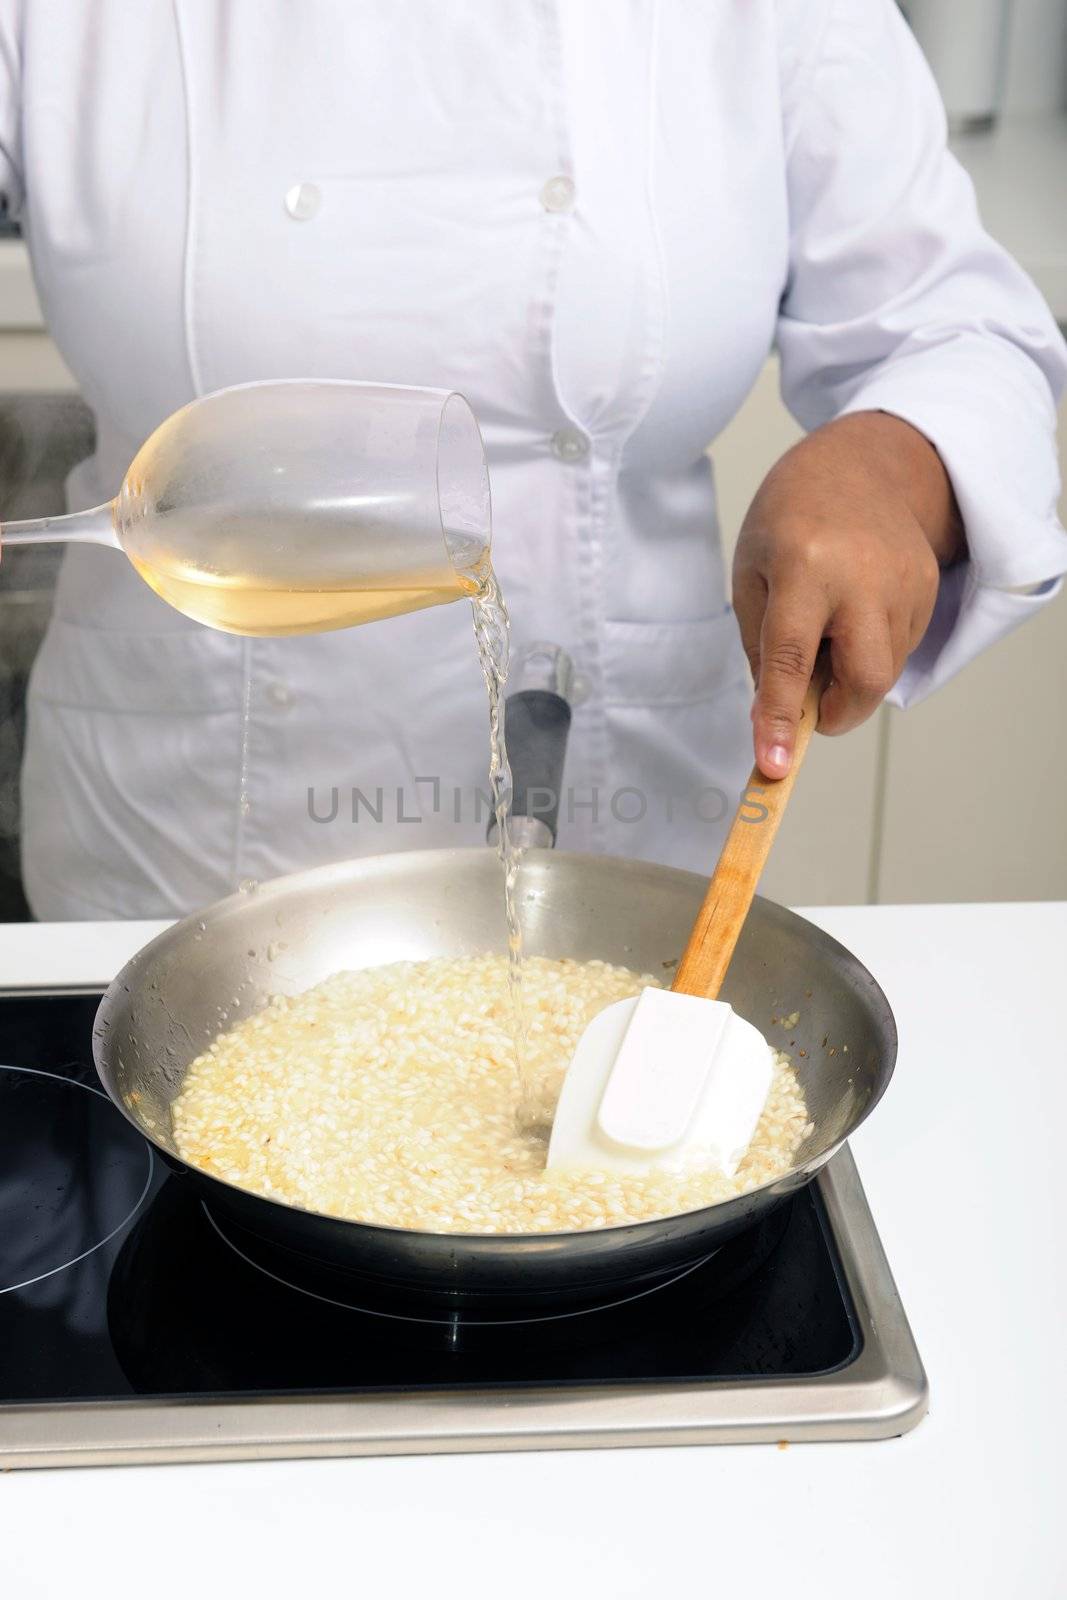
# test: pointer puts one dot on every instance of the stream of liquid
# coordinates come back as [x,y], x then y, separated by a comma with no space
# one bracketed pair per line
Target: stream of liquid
[492,636]
[244,794]
[245,603]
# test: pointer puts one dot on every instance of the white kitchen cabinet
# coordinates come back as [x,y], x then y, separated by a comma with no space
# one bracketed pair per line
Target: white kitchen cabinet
[973,806]
[30,361]
[975,777]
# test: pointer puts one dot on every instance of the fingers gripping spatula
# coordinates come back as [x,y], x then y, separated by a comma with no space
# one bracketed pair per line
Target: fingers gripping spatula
[674,1080]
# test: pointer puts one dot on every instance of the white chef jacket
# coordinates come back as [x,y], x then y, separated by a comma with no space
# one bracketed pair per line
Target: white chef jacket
[593,219]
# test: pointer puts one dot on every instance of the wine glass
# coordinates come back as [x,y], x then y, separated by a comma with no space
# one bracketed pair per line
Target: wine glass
[298,506]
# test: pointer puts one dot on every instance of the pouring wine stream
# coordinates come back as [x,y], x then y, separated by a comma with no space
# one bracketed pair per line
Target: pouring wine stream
[492,629]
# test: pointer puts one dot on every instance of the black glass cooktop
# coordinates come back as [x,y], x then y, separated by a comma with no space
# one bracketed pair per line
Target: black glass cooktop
[115,1281]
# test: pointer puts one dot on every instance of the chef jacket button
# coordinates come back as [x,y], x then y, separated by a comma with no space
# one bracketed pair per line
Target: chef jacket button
[570,444]
[558,194]
[280,695]
[303,200]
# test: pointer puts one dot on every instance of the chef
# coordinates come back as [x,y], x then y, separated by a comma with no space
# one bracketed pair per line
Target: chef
[594,219]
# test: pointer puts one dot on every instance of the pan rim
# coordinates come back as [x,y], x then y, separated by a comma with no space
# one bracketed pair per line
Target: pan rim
[789,1182]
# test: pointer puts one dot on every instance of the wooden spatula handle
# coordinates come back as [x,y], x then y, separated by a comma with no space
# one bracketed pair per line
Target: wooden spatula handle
[722,916]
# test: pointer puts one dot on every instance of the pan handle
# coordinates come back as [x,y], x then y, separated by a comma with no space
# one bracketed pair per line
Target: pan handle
[537,720]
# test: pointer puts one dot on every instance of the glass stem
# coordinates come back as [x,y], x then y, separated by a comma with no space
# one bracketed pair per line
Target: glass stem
[96,526]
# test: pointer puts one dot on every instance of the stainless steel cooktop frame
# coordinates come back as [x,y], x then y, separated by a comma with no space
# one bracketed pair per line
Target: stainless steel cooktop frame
[881,1394]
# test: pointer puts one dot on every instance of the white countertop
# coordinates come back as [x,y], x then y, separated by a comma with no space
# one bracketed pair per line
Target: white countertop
[970,1504]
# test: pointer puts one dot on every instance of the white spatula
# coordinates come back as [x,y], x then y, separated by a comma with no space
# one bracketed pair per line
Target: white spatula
[674,1080]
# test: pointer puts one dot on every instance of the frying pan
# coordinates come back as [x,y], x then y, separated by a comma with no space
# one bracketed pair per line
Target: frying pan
[220,965]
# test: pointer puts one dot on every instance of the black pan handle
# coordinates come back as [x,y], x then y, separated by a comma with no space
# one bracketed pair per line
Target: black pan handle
[537,721]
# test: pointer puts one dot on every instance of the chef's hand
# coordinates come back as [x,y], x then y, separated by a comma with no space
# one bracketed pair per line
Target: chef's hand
[843,541]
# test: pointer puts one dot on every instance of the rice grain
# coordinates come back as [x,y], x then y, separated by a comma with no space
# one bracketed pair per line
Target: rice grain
[388,1096]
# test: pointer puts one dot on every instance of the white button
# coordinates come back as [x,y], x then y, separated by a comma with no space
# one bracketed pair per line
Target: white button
[248,885]
[303,200]
[558,194]
[279,694]
[570,444]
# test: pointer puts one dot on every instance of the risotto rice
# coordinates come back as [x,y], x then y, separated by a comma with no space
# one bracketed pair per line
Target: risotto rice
[388,1096]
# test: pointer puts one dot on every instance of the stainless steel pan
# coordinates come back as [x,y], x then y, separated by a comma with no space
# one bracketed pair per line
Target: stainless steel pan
[208,971]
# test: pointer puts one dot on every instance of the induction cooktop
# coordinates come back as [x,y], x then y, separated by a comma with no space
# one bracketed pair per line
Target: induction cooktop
[136,1326]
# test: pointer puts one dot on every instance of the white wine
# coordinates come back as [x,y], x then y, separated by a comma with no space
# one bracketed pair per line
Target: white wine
[250,605]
